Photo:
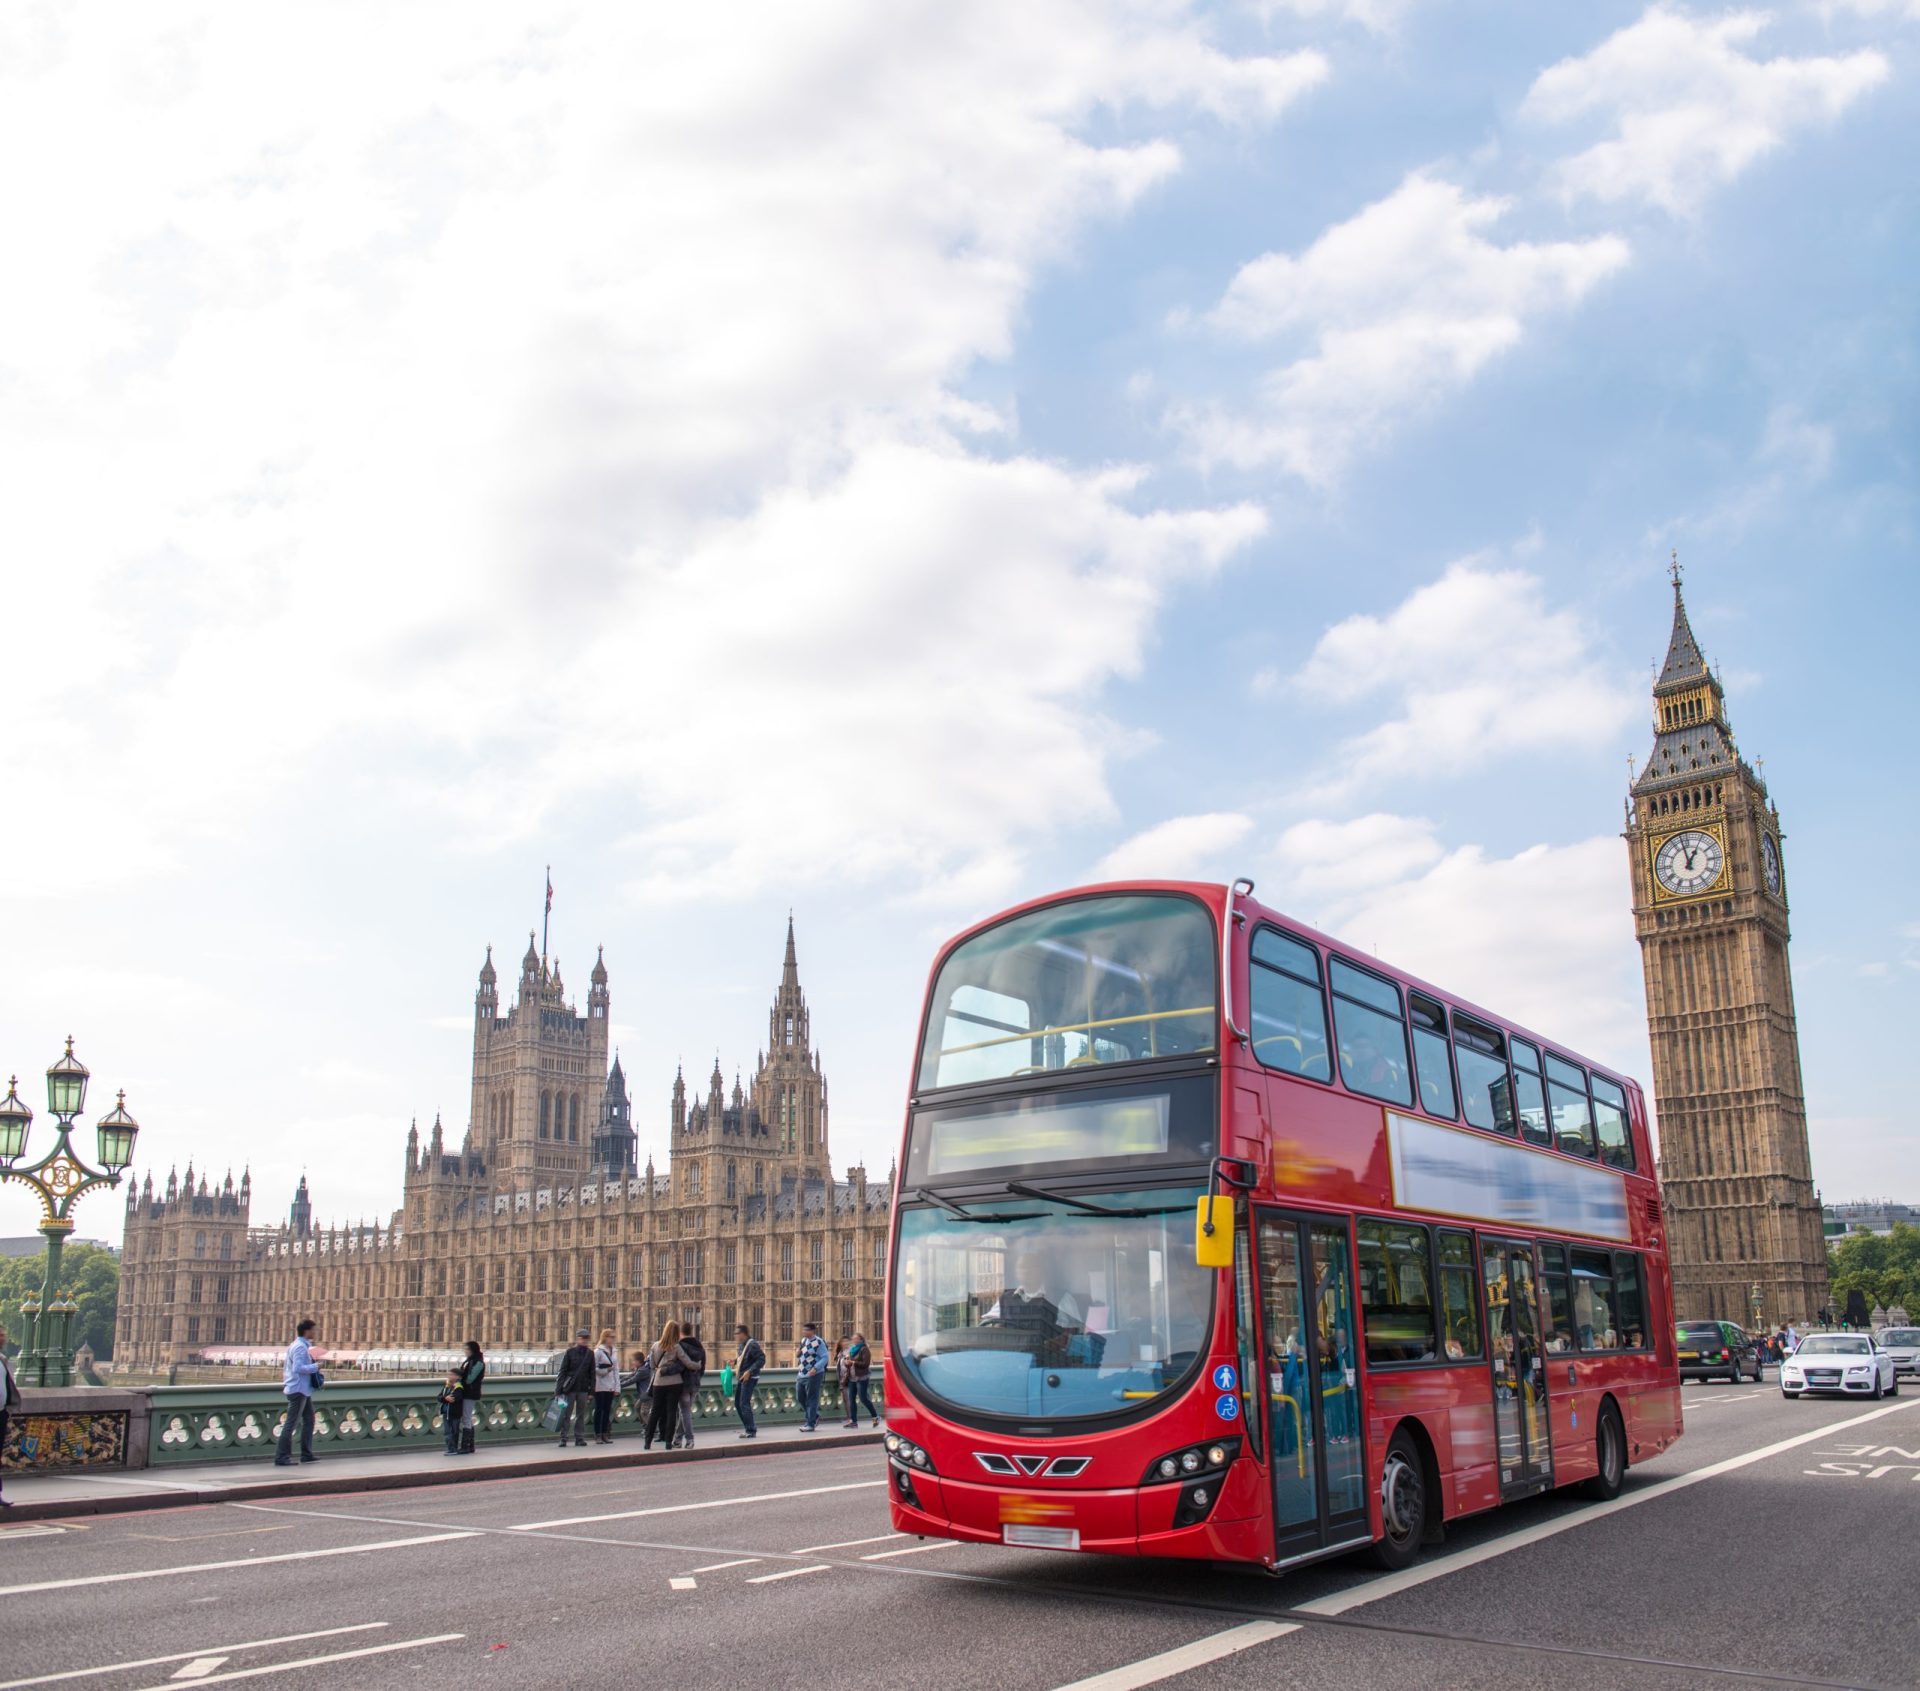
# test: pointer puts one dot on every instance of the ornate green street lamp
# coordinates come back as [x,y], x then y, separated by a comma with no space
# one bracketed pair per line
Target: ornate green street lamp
[59,1178]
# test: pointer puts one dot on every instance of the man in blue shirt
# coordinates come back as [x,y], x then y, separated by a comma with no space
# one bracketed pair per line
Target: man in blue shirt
[299,1380]
[811,1372]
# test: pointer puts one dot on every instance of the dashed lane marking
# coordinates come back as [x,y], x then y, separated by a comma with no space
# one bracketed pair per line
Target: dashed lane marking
[737,1562]
[183,1655]
[200,1667]
[1187,1657]
[240,1562]
[791,1573]
[687,1508]
[682,1583]
[845,1544]
[912,1550]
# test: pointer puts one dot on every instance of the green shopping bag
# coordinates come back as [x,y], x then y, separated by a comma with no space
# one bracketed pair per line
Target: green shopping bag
[726,1379]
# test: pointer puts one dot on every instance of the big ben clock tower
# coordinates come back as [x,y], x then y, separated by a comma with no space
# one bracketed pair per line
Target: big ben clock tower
[1710,909]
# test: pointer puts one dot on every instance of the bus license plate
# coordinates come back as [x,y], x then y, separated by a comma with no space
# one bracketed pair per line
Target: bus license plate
[1041,1538]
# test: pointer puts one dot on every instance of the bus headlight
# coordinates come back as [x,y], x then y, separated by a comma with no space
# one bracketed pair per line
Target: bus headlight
[1196,1459]
[1190,1461]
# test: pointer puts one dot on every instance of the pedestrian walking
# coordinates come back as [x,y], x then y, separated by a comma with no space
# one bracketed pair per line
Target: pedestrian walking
[473,1374]
[574,1382]
[9,1399]
[854,1387]
[748,1360]
[690,1387]
[669,1372]
[300,1378]
[810,1374]
[606,1385]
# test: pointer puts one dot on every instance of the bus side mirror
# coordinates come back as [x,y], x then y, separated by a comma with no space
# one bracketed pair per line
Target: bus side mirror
[1213,1233]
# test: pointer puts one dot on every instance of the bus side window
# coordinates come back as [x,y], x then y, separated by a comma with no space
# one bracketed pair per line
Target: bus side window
[1459,1306]
[1567,1092]
[1396,1297]
[1289,1015]
[1553,1261]
[1610,1113]
[1430,1055]
[1372,1033]
[1529,1093]
[1485,1089]
[1629,1306]
[1595,1324]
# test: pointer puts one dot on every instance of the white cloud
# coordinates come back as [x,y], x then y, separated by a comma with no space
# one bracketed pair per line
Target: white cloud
[1384,315]
[573,412]
[1478,666]
[1690,109]
[1380,16]
[1179,849]
[1544,937]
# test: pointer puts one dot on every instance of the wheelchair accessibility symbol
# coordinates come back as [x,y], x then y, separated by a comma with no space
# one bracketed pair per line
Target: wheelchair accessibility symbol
[1225,1378]
[1227,1407]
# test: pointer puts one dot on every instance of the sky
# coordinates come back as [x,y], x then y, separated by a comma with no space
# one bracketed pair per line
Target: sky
[884,462]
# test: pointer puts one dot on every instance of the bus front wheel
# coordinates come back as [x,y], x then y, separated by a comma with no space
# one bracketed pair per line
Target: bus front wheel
[1610,1450]
[1403,1504]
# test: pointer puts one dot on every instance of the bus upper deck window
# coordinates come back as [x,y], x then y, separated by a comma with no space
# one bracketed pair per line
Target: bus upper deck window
[1430,1055]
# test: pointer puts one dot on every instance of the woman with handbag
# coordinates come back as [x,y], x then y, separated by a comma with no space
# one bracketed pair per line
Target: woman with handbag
[606,1386]
[671,1366]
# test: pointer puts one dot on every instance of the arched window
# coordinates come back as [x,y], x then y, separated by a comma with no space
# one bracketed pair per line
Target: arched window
[199,1244]
[789,1030]
[759,1177]
[731,1183]
[546,1111]
[573,1120]
[226,1247]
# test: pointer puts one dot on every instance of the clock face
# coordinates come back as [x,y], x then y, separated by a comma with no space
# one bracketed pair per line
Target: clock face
[1689,862]
[1770,862]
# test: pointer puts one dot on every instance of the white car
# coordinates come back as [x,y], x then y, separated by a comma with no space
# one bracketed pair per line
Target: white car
[1903,1345]
[1848,1363]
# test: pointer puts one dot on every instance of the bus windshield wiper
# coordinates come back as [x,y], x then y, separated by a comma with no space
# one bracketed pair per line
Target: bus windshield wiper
[1024,1190]
[920,1194]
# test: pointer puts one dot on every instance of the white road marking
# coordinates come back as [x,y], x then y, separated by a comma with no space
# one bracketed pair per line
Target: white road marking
[847,1544]
[682,1583]
[791,1573]
[685,1508]
[1388,1585]
[195,1537]
[199,1667]
[182,1655]
[318,1661]
[39,1531]
[912,1550]
[1189,1656]
[219,1567]
[737,1562]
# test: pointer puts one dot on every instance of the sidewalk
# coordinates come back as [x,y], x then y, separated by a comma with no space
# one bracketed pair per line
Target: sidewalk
[40,1497]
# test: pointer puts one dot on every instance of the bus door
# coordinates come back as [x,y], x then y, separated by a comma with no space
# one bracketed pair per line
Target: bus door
[1519,1366]
[1312,1388]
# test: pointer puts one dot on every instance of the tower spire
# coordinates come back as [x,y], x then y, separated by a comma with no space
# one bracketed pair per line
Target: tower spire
[790,969]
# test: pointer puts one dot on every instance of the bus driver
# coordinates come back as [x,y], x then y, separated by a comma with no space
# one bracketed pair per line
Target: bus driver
[1037,1303]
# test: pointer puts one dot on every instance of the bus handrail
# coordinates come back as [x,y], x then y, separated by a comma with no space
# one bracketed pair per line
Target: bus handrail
[1073,1027]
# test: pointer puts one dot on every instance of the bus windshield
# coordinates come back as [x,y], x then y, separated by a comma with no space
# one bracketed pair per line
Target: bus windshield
[1030,1307]
[1089,982]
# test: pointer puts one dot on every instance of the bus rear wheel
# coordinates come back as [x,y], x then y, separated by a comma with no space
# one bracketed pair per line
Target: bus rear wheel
[1610,1450]
[1403,1505]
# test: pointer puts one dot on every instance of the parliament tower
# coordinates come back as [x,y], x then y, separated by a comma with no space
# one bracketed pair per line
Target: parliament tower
[1710,910]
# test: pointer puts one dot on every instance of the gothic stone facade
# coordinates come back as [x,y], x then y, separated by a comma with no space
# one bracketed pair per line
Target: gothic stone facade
[540,1222]
[1710,909]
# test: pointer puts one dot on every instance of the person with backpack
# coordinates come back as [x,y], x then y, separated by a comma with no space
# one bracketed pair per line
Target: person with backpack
[574,1382]
[671,1365]
[471,1373]
[747,1363]
[854,1387]
[606,1386]
[690,1387]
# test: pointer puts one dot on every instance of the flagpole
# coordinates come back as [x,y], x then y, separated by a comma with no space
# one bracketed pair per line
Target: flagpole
[546,915]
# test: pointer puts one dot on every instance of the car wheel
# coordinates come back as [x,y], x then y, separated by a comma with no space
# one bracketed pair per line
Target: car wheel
[1893,1389]
[1785,1393]
[1879,1391]
[1610,1449]
[1403,1505]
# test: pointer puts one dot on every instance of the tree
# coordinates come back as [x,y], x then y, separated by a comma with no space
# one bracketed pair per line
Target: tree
[1884,1268]
[89,1274]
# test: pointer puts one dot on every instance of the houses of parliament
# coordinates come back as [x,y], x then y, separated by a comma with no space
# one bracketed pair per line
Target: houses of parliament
[538,1221]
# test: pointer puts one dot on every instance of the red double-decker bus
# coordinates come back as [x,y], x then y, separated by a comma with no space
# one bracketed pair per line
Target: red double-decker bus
[1215,1238]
